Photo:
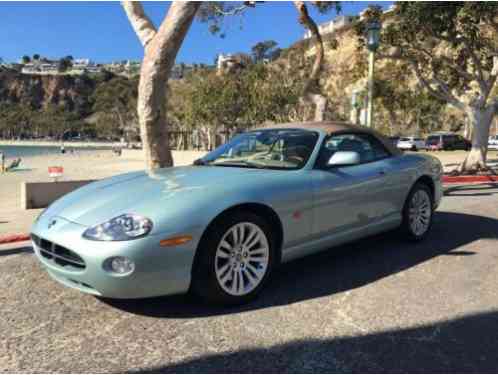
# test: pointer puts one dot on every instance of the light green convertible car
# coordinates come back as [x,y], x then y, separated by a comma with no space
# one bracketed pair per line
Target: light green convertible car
[221,226]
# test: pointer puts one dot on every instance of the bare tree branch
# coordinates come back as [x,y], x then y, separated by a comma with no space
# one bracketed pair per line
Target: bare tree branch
[475,61]
[232,12]
[451,64]
[445,95]
[143,26]
[309,23]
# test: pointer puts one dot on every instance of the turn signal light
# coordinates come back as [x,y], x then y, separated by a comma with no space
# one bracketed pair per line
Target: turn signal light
[174,241]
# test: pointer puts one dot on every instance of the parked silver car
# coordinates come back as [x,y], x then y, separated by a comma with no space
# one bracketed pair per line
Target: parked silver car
[221,226]
[411,143]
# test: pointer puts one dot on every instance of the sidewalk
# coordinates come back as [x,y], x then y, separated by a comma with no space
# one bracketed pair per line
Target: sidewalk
[17,221]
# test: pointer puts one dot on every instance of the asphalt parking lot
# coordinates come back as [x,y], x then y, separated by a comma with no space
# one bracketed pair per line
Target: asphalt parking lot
[379,305]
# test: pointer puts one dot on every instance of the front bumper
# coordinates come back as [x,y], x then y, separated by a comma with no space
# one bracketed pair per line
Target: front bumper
[158,270]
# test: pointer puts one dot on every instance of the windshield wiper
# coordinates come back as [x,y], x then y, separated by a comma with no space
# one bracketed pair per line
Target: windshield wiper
[200,162]
[239,164]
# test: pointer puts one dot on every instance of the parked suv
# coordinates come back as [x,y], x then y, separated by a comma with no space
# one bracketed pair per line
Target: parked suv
[447,141]
[411,143]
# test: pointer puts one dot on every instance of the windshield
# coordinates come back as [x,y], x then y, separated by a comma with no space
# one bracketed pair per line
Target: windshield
[270,149]
[405,139]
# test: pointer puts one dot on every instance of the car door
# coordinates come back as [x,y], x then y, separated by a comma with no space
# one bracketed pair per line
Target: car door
[352,197]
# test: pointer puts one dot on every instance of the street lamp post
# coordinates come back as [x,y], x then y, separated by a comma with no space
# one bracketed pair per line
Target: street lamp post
[373,37]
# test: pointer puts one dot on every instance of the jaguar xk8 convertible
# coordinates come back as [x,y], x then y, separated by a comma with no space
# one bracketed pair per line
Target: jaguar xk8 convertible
[220,226]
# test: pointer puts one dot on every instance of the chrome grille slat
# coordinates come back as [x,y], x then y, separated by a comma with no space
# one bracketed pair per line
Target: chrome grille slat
[62,258]
[57,254]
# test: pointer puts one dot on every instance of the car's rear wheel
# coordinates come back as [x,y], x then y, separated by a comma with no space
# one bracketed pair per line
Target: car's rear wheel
[418,212]
[235,260]
[414,148]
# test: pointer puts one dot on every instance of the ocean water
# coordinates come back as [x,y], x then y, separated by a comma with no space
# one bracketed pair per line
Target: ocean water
[11,152]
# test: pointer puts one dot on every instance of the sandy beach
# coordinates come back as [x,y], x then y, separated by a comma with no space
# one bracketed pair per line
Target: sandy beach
[77,166]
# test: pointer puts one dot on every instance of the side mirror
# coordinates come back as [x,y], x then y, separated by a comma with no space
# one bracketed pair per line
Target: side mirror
[343,158]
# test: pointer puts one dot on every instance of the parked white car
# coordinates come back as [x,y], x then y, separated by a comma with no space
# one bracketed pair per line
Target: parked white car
[493,142]
[411,143]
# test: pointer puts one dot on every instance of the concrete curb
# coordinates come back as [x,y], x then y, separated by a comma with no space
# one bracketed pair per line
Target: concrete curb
[11,238]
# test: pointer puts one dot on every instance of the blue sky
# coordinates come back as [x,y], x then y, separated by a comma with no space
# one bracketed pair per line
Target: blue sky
[100,30]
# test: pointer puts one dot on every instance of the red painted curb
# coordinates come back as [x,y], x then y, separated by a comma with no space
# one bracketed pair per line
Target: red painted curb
[468,179]
[11,238]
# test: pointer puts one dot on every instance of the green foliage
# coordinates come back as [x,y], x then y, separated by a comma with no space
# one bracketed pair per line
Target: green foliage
[65,64]
[265,50]
[450,46]
[253,96]
[324,7]
[26,59]
[115,105]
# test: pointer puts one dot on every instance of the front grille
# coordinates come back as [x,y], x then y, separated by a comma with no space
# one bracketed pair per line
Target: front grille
[58,254]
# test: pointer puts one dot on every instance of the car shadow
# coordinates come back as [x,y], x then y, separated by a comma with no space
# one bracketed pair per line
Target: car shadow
[21,250]
[336,270]
[465,344]
[474,190]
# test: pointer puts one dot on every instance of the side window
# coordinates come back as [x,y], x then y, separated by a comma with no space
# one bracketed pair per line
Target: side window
[368,147]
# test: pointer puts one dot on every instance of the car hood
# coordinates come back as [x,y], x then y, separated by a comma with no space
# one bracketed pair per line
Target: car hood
[151,193]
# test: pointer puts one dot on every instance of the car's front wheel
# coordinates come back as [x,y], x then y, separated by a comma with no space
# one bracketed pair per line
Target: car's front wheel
[418,212]
[235,260]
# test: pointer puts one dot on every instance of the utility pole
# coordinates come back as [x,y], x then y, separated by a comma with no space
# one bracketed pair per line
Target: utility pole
[373,41]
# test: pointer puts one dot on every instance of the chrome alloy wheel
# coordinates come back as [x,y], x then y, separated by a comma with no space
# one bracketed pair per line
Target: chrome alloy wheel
[242,258]
[420,212]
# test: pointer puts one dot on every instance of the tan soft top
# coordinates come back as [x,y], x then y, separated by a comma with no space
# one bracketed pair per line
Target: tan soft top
[331,127]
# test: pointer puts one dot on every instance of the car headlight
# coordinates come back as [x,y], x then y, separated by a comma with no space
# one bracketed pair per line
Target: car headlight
[122,228]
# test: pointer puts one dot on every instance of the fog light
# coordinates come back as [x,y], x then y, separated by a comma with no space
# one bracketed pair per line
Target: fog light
[120,265]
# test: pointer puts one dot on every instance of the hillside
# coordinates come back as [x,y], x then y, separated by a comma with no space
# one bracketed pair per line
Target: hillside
[41,91]
[50,105]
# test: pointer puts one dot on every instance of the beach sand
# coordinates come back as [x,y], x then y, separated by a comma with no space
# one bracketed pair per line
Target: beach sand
[77,166]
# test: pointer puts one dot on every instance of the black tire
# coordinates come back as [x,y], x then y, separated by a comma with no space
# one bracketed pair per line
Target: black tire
[414,148]
[204,281]
[406,228]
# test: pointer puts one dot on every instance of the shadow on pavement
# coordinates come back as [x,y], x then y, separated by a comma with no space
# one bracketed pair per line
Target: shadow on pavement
[463,345]
[471,190]
[340,269]
[20,250]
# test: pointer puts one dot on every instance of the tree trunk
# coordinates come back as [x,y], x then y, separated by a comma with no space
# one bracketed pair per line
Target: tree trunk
[161,48]
[467,133]
[311,88]
[320,102]
[392,121]
[480,122]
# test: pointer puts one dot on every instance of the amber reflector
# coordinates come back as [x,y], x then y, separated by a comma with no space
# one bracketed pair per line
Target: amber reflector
[175,241]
